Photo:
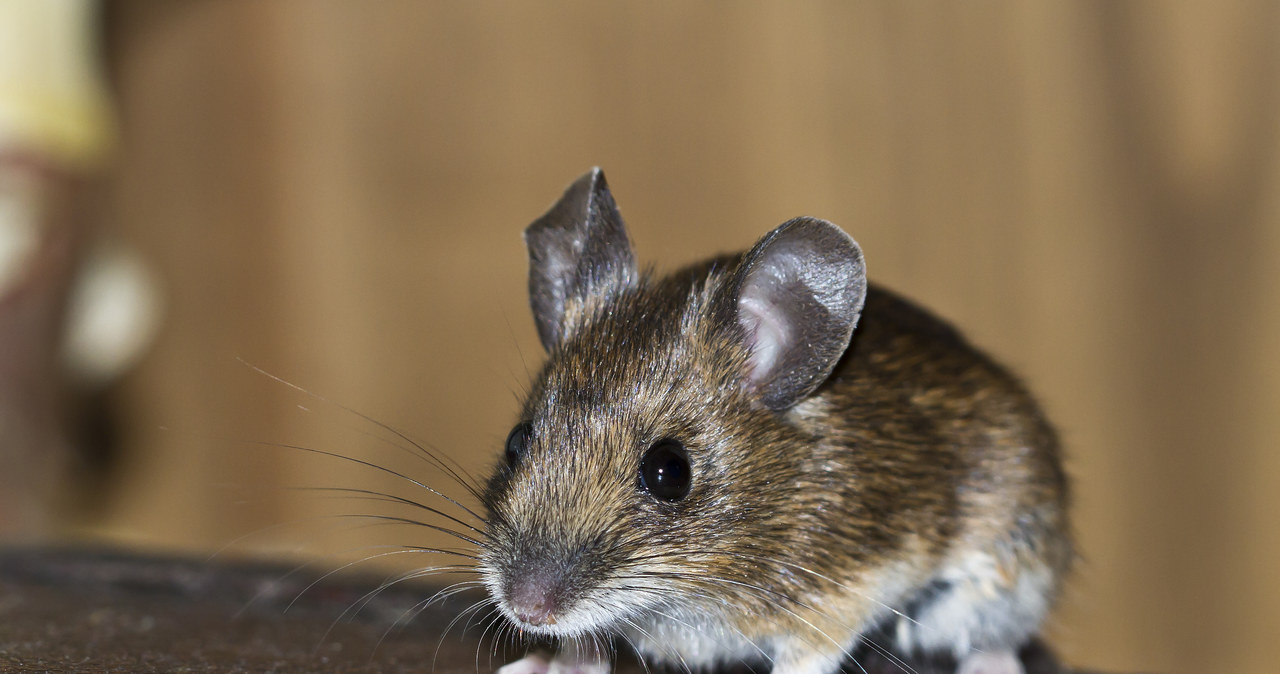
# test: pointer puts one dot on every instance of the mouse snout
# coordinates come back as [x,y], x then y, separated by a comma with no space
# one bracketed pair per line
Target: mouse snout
[537,597]
[534,602]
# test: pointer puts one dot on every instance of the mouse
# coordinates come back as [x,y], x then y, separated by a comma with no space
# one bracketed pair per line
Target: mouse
[763,458]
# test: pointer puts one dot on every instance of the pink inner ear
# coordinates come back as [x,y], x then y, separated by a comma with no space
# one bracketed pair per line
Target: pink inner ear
[766,335]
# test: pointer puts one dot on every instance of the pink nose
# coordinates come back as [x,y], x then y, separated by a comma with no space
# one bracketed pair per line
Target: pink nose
[533,602]
[536,615]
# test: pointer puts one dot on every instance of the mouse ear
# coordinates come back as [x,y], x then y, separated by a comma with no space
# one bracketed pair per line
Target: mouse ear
[799,294]
[578,248]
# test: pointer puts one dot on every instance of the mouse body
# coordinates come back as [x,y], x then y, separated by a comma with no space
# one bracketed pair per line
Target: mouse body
[763,458]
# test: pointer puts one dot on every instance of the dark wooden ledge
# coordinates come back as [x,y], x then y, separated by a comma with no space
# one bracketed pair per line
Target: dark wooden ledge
[96,611]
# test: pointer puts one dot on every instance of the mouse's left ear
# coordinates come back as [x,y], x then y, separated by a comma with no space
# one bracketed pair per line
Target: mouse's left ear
[577,249]
[798,295]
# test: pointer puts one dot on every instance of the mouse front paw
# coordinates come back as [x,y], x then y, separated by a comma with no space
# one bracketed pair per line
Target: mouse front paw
[562,664]
[991,662]
[575,666]
[529,664]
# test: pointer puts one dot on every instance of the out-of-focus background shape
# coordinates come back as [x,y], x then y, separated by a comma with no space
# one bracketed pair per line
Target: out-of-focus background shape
[55,131]
[334,192]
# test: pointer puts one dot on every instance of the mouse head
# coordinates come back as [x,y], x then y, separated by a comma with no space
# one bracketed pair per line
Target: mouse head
[654,444]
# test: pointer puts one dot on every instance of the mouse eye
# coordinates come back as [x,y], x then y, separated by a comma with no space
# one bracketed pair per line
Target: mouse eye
[665,470]
[518,441]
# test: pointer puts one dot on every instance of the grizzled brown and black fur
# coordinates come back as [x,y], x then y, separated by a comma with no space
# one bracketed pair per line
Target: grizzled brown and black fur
[897,483]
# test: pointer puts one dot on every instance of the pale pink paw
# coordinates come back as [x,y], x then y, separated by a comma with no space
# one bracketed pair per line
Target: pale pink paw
[561,666]
[991,662]
[529,664]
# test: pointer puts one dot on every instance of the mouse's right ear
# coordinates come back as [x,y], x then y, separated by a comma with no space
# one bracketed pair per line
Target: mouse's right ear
[578,249]
[797,296]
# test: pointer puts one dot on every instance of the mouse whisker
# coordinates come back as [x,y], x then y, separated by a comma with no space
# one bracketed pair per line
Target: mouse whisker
[444,594]
[651,639]
[892,609]
[501,639]
[820,576]
[632,645]
[273,527]
[395,519]
[662,594]
[773,597]
[355,493]
[367,464]
[487,601]
[447,594]
[490,621]
[433,456]
[275,584]
[358,605]
[417,573]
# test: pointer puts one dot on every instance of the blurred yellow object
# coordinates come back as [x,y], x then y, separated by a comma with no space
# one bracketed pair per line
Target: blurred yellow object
[53,101]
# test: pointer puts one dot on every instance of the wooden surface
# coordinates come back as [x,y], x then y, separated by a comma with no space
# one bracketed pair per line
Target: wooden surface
[334,191]
[99,611]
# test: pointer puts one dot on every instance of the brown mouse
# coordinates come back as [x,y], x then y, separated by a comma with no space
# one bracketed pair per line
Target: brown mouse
[763,458]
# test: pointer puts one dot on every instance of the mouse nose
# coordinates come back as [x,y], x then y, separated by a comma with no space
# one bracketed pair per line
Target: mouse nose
[535,599]
[536,614]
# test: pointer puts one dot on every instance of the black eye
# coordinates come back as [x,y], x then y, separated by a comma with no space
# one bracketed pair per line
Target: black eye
[665,471]
[517,441]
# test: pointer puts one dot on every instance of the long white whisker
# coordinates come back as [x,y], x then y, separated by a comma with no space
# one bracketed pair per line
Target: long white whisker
[486,601]
[458,568]
[407,615]
[395,549]
[634,649]
[480,641]
[648,636]
[359,604]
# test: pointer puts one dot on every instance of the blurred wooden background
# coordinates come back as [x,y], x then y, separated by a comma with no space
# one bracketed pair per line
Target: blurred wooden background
[334,191]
